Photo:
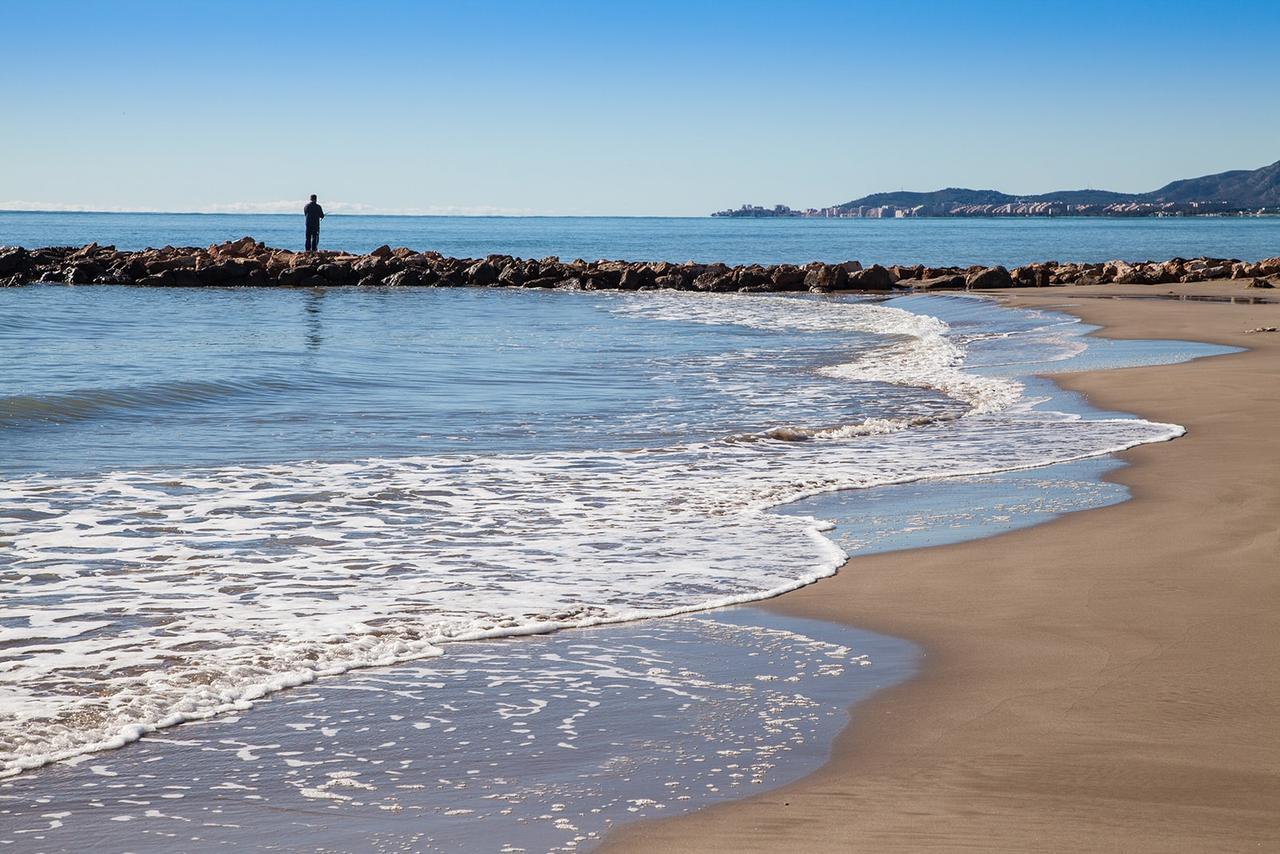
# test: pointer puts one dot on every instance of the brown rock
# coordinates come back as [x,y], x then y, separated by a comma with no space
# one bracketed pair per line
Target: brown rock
[822,278]
[787,277]
[989,277]
[873,278]
[482,273]
[955,282]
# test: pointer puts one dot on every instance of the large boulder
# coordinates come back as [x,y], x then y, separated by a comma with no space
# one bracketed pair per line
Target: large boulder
[512,276]
[787,277]
[482,273]
[989,277]
[635,278]
[715,281]
[954,282]
[245,247]
[82,274]
[754,278]
[873,278]
[822,278]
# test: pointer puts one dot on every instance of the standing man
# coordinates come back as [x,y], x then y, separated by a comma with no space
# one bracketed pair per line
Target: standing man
[314,213]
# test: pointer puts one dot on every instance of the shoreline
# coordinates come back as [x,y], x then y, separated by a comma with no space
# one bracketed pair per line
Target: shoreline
[1090,683]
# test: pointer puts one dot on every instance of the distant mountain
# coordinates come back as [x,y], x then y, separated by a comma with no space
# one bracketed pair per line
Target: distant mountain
[949,196]
[1241,189]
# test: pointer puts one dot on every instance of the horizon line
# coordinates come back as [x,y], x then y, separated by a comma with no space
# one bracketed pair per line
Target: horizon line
[370,214]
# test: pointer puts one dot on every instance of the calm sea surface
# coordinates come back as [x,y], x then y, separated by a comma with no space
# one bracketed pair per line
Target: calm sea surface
[735,241]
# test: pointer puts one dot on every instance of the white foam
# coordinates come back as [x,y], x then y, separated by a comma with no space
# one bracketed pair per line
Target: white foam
[185,594]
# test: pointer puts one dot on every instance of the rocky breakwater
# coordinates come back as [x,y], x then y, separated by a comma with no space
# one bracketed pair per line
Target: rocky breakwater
[247,262]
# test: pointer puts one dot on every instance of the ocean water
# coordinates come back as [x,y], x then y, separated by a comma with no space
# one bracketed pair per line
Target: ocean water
[212,496]
[535,744]
[1006,241]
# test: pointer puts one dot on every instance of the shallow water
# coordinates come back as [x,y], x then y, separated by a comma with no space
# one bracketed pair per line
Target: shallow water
[210,497]
[540,744]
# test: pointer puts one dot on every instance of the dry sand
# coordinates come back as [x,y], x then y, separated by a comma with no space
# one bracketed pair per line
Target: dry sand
[1109,681]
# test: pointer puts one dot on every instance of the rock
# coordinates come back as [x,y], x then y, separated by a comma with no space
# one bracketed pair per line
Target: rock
[749,279]
[873,278]
[1121,272]
[242,248]
[13,259]
[82,274]
[955,282]
[823,278]
[1024,277]
[989,277]
[335,273]
[408,277]
[670,281]
[370,265]
[787,277]
[635,278]
[511,276]
[714,281]
[1260,283]
[299,275]
[382,252]
[215,273]
[482,273]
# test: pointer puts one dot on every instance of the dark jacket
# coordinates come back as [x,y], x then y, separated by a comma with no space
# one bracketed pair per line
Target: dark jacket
[314,213]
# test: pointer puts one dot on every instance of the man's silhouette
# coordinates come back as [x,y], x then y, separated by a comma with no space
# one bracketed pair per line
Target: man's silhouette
[314,213]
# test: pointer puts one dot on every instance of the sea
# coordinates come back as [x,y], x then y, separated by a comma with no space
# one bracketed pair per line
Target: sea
[473,569]
[938,242]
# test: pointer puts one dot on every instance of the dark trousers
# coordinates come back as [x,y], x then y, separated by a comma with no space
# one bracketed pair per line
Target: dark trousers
[313,240]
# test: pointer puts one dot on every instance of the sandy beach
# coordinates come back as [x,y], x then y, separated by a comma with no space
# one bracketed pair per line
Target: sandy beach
[1105,682]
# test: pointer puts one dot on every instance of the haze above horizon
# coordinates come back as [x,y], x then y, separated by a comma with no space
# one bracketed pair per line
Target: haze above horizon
[663,108]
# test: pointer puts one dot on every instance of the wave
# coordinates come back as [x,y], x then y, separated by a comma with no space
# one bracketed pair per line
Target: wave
[86,404]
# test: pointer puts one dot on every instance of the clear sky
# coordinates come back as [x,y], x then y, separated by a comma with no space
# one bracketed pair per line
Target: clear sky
[627,108]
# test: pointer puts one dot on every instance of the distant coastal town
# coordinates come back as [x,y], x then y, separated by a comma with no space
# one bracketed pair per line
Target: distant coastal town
[1023,209]
[1240,192]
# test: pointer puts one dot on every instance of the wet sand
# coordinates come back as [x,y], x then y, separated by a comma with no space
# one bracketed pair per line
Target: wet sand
[1105,682]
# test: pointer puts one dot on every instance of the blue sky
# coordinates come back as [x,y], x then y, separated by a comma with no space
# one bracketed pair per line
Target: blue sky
[620,108]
